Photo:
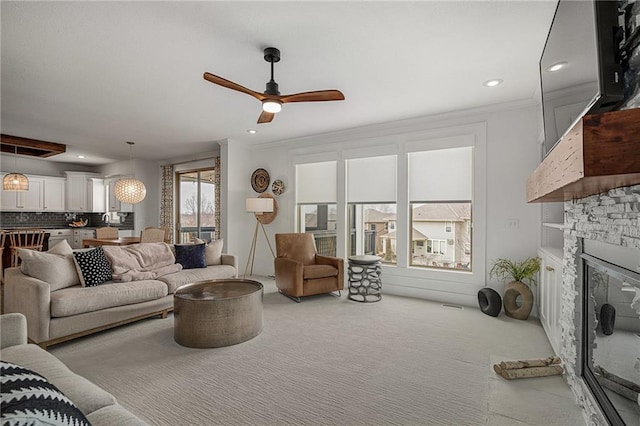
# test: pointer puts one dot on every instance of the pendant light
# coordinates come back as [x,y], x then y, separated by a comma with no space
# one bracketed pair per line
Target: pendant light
[130,190]
[15,181]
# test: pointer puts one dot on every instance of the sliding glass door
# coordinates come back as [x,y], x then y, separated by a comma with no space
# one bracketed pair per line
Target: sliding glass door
[196,205]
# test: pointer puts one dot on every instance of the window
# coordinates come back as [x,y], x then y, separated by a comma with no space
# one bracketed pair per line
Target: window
[436,246]
[316,201]
[196,204]
[371,195]
[440,189]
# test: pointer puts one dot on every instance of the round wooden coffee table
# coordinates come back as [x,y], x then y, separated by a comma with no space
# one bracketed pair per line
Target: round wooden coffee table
[215,313]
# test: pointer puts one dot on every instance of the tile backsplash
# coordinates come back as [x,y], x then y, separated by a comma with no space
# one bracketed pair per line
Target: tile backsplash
[10,220]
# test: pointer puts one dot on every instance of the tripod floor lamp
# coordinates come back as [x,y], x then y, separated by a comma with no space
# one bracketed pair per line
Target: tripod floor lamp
[265,210]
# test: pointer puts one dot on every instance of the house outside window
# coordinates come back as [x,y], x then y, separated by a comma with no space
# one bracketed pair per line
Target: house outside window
[448,226]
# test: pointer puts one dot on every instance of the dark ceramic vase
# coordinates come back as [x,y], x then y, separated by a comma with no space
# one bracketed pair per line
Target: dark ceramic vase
[607,319]
[489,301]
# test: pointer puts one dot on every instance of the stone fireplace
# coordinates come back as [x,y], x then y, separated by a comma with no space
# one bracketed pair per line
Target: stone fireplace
[601,248]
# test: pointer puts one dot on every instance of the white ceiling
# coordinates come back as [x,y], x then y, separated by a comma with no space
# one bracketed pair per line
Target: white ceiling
[93,75]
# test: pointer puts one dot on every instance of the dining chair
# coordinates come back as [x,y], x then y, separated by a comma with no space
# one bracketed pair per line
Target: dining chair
[32,239]
[3,237]
[107,232]
[152,235]
[167,236]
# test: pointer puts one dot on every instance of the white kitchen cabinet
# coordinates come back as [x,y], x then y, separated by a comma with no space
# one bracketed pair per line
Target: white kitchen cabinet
[550,294]
[126,233]
[96,195]
[113,203]
[80,197]
[53,194]
[31,200]
[80,234]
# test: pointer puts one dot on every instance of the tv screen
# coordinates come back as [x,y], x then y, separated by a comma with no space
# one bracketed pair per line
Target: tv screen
[579,69]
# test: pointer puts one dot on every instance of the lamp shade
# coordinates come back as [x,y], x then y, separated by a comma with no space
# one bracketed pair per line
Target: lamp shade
[129,190]
[259,205]
[15,182]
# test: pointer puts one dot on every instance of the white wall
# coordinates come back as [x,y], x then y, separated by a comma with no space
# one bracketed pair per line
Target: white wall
[512,153]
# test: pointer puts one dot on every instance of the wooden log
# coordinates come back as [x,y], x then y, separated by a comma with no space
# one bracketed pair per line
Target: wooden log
[619,389]
[524,373]
[617,379]
[513,365]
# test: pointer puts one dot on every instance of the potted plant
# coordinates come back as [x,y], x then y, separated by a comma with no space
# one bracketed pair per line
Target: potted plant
[521,275]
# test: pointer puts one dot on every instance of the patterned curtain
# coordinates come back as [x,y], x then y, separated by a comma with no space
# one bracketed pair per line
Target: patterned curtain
[217,200]
[166,200]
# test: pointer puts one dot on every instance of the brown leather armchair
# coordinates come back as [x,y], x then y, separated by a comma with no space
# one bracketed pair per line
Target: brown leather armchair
[300,271]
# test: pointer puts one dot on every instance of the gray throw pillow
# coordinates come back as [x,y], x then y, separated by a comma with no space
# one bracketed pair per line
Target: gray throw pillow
[55,266]
[212,251]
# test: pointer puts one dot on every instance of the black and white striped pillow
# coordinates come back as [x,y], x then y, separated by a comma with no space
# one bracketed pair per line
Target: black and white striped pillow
[27,398]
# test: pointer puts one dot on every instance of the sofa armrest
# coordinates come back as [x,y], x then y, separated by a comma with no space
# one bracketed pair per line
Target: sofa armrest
[289,276]
[231,260]
[30,297]
[13,329]
[335,262]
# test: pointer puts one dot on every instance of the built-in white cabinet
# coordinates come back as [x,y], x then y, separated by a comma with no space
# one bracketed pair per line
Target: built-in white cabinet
[550,294]
[53,194]
[126,233]
[80,234]
[31,200]
[85,192]
[113,204]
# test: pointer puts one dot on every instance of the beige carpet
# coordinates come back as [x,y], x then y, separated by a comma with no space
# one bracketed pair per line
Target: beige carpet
[325,361]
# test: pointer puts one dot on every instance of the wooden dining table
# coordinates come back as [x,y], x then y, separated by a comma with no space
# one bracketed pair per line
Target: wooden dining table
[122,241]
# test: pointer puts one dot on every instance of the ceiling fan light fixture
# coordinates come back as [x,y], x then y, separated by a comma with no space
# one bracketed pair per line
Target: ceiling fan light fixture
[271,106]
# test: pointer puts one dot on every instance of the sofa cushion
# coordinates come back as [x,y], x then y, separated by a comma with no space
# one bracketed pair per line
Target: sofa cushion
[93,267]
[212,251]
[187,276]
[78,300]
[114,415]
[191,256]
[311,272]
[87,396]
[29,398]
[55,266]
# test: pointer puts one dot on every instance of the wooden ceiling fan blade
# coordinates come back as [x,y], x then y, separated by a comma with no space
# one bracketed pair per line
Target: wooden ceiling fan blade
[316,96]
[231,85]
[265,117]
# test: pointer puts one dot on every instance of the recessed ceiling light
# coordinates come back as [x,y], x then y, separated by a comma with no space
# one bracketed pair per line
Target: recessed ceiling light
[492,83]
[252,131]
[81,156]
[557,66]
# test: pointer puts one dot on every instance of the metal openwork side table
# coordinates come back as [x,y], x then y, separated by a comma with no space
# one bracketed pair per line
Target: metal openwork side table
[365,284]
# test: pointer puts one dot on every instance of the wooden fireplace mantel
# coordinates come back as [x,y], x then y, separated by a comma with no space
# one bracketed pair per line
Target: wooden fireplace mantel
[599,153]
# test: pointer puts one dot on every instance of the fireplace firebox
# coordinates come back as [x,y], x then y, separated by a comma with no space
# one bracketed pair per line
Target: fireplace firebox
[610,331]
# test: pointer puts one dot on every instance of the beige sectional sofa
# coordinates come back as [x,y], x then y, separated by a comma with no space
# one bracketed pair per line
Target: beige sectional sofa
[58,314]
[98,406]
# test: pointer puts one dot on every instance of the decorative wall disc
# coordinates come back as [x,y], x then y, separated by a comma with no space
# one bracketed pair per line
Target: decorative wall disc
[277,187]
[260,180]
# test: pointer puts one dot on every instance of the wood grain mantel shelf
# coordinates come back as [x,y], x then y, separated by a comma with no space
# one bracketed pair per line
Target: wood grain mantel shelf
[599,153]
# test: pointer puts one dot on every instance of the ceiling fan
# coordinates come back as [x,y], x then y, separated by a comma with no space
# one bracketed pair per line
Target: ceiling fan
[271,99]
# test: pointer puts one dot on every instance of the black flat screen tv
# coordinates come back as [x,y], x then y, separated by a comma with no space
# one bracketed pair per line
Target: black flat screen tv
[582,40]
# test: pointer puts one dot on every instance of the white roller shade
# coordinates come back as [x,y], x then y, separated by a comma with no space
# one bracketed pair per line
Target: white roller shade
[371,180]
[441,175]
[316,183]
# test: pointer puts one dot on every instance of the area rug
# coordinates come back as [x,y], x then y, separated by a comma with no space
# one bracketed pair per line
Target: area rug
[325,361]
